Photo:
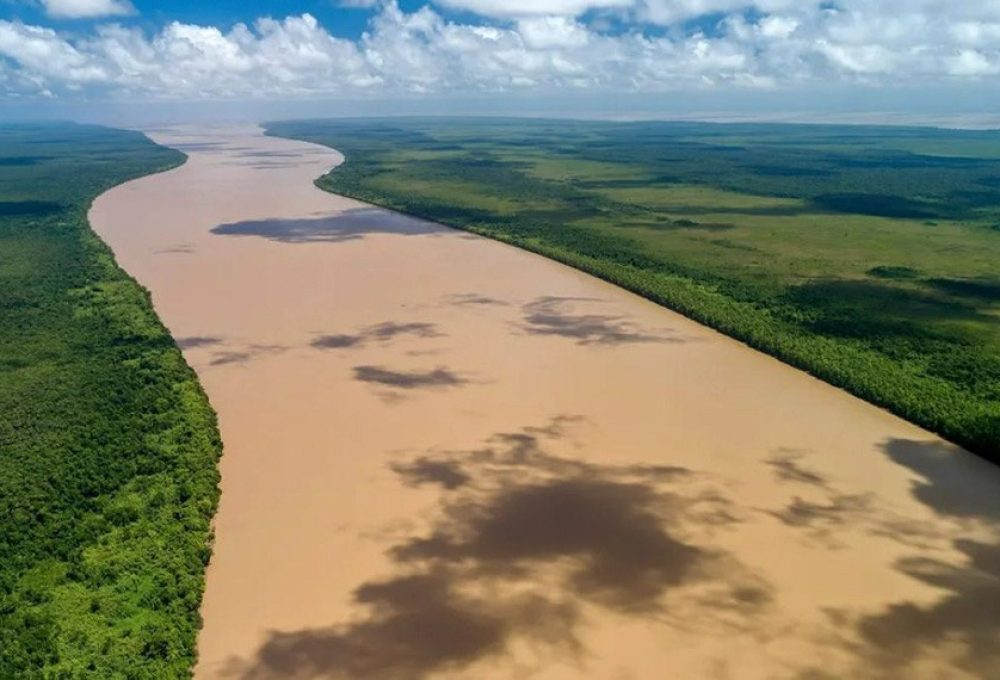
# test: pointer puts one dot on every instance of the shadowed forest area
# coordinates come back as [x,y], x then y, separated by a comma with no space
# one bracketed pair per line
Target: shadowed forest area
[108,445]
[864,255]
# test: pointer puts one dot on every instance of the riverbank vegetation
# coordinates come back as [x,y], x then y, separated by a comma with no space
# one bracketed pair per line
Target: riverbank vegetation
[867,256]
[108,446]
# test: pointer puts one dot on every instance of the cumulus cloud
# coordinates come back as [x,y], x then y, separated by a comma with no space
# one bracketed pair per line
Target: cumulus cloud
[552,32]
[85,9]
[542,45]
[524,8]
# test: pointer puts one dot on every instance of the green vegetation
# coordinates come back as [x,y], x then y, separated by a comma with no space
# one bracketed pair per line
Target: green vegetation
[108,446]
[869,256]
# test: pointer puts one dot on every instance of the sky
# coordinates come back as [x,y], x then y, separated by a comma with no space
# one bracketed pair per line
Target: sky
[873,60]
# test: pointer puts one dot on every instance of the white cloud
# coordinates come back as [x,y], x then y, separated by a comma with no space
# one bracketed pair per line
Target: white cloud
[42,55]
[781,44]
[552,31]
[667,12]
[526,8]
[85,9]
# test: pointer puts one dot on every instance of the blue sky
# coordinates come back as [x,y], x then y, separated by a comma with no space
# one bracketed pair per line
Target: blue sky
[621,58]
[347,22]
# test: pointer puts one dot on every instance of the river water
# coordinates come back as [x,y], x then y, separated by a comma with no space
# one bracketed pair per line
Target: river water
[449,458]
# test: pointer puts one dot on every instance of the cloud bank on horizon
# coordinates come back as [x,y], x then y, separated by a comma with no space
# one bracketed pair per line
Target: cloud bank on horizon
[501,46]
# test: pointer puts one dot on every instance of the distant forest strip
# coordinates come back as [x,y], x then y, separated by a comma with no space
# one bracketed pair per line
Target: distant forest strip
[868,256]
[108,446]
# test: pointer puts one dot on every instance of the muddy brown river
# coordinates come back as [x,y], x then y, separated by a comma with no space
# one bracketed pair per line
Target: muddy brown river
[449,458]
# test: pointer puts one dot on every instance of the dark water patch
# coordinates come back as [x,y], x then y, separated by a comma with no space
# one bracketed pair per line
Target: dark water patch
[347,226]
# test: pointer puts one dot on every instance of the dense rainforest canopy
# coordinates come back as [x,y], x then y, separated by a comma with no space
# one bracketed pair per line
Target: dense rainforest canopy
[108,446]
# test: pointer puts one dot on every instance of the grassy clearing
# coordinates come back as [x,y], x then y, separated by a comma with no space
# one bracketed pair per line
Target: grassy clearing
[865,255]
[108,445]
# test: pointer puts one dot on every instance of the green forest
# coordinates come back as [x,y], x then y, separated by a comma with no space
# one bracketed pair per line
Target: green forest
[868,256]
[108,446]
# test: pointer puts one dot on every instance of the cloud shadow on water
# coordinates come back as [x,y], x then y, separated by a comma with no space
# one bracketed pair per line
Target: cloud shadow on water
[963,627]
[193,341]
[349,225]
[182,249]
[523,547]
[827,513]
[409,380]
[475,299]
[340,341]
[956,635]
[382,332]
[424,470]
[551,315]
[961,630]
[244,355]
[956,483]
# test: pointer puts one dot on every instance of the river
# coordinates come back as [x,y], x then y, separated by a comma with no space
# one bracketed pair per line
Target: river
[445,457]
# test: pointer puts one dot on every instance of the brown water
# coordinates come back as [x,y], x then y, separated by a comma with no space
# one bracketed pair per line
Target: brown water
[448,458]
